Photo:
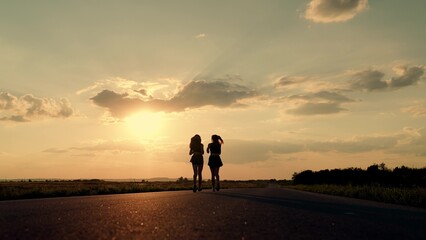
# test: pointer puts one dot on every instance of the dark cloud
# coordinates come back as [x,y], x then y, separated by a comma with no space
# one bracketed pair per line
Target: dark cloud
[193,95]
[28,108]
[410,76]
[368,80]
[323,95]
[372,80]
[55,150]
[229,78]
[316,109]
[142,92]
[202,93]
[326,11]
[15,118]
[319,103]
[119,105]
[289,80]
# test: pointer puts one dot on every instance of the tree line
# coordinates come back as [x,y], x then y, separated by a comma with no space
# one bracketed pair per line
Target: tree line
[377,174]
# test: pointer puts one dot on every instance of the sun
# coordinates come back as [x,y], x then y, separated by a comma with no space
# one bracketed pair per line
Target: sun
[146,125]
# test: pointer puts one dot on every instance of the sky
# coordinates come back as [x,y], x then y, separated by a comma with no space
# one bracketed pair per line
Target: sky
[116,89]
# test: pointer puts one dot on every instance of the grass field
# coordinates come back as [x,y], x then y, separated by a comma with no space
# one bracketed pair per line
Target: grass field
[415,196]
[42,189]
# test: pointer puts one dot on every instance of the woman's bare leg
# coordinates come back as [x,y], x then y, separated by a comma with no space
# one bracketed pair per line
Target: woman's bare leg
[217,179]
[215,173]
[213,176]
[200,177]
[195,169]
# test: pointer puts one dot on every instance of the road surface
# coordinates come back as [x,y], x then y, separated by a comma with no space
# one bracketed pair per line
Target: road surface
[268,213]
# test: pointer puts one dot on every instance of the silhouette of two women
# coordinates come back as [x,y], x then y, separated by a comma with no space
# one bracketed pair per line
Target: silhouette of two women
[196,149]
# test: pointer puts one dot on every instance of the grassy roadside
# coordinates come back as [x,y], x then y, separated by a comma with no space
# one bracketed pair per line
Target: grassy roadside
[415,196]
[14,190]
[44,189]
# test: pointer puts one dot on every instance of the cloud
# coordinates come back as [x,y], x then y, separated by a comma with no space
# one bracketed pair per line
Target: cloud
[319,103]
[316,109]
[372,80]
[244,151]
[368,80]
[409,141]
[14,118]
[217,93]
[323,95]
[7,101]
[119,105]
[408,76]
[111,83]
[308,83]
[355,145]
[418,110]
[230,78]
[327,11]
[29,108]
[112,146]
[160,88]
[201,35]
[99,146]
[412,142]
[195,94]
[289,81]
[142,92]
[55,150]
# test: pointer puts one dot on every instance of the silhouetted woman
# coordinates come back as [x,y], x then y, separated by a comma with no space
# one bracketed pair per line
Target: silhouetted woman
[214,148]
[196,149]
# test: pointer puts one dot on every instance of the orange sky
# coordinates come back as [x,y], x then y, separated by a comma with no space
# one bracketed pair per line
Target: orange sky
[117,90]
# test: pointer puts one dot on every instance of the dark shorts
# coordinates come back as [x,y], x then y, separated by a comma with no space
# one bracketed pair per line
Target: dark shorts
[197,159]
[215,161]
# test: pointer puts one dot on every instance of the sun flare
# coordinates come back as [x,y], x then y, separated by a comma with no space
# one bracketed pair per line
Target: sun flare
[146,125]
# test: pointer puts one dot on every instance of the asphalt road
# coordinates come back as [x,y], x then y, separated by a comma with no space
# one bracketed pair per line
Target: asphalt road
[268,213]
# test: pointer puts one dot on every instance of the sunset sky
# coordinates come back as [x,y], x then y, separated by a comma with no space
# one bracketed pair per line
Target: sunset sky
[116,89]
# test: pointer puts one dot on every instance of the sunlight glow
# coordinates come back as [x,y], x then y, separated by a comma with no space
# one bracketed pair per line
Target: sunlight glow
[146,125]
